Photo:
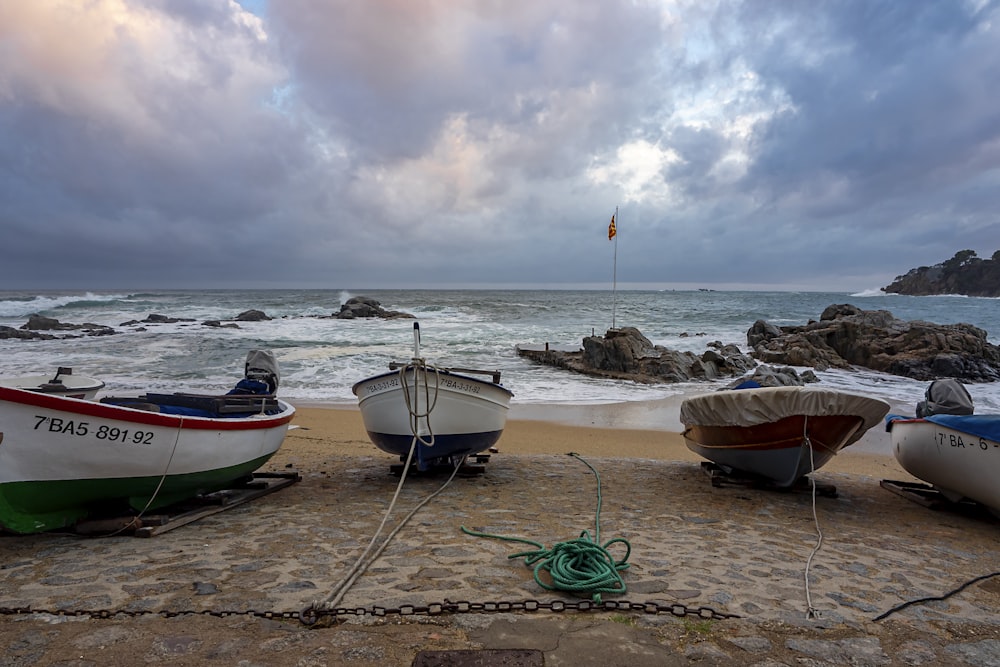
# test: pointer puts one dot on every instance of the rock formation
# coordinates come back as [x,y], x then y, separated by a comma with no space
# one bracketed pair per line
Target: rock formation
[626,354]
[962,274]
[363,306]
[847,336]
[41,323]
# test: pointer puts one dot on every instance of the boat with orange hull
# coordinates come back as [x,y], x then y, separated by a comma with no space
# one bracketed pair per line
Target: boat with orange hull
[778,433]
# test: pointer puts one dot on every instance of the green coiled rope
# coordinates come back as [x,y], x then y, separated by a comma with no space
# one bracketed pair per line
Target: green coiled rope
[580,566]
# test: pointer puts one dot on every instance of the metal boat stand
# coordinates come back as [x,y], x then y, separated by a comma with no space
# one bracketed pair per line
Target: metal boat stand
[931,498]
[176,515]
[472,466]
[720,477]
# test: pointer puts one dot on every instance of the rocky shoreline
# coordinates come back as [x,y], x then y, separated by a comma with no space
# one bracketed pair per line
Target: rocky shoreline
[844,337]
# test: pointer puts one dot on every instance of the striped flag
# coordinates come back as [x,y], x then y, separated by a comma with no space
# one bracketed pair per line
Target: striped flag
[612,230]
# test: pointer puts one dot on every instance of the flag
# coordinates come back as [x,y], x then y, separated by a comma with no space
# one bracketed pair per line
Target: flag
[612,230]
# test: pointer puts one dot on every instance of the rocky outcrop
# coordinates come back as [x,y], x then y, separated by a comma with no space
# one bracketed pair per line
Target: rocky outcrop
[770,376]
[363,306]
[156,318]
[962,274]
[41,323]
[846,336]
[626,354]
[11,332]
[252,316]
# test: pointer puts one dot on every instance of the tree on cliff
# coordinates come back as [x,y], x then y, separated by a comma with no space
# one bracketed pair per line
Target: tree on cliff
[965,273]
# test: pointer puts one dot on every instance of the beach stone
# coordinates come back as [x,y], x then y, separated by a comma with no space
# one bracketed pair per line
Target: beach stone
[752,644]
[985,653]
[859,652]
[917,653]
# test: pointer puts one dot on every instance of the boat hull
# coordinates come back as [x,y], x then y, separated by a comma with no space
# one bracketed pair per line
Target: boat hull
[776,450]
[467,416]
[781,433]
[63,459]
[958,463]
[70,386]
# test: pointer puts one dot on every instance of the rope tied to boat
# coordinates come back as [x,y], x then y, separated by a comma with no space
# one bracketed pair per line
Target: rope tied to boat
[371,553]
[420,369]
[579,566]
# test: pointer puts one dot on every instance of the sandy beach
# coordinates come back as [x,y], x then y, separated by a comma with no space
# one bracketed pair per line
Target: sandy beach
[591,431]
[730,562]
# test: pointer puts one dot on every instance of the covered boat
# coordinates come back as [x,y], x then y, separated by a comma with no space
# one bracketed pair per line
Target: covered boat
[63,383]
[446,414]
[949,447]
[65,459]
[778,433]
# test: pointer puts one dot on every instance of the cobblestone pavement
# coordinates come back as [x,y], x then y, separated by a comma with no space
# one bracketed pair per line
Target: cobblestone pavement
[735,551]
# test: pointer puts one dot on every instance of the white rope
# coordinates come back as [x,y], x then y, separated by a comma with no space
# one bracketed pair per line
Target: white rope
[811,612]
[420,368]
[365,561]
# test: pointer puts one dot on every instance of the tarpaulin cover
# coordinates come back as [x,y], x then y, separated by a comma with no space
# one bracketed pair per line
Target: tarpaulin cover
[750,407]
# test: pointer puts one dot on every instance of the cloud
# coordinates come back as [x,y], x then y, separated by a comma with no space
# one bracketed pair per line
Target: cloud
[342,144]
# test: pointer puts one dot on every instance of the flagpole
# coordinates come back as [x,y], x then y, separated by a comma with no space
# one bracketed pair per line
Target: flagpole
[614,272]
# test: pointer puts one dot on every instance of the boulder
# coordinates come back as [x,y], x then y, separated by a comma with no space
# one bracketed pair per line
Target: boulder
[252,316]
[846,336]
[363,306]
[770,376]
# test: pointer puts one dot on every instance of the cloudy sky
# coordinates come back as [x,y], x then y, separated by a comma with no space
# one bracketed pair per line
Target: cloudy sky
[406,143]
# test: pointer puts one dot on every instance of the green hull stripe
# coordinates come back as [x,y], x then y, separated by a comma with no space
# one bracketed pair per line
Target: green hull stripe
[34,507]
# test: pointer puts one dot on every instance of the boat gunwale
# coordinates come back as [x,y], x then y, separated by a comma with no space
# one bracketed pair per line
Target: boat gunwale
[441,371]
[137,416]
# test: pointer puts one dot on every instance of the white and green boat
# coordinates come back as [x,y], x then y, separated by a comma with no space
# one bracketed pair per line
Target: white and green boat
[66,459]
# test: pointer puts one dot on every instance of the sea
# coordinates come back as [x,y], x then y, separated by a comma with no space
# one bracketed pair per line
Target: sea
[321,357]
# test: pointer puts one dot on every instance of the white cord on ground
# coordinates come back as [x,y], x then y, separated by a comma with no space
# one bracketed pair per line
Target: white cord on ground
[811,612]
[364,561]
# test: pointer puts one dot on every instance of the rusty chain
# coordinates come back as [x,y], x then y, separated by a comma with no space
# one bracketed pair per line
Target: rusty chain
[311,615]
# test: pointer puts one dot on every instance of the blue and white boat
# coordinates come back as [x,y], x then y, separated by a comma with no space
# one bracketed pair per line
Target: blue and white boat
[949,447]
[443,414]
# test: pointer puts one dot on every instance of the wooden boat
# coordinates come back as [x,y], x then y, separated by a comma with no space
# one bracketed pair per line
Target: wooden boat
[778,433]
[447,414]
[65,459]
[63,383]
[959,455]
